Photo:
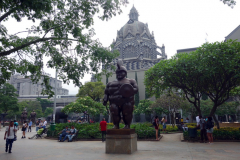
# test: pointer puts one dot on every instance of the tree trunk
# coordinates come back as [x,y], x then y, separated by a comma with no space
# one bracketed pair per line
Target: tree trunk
[212,114]
[216,121]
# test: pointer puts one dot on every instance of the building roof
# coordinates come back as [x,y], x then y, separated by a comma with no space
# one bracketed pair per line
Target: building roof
[232,32]
[186,50]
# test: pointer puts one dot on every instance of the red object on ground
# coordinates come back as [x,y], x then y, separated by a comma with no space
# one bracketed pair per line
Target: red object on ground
[103,125]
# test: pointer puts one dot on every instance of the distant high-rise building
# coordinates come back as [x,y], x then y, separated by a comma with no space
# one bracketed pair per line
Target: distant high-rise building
[25,86]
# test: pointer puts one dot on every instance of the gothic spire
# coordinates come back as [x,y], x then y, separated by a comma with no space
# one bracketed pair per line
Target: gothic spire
[133,15]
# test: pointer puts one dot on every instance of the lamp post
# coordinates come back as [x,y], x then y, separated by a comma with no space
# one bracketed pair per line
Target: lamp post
[55,94]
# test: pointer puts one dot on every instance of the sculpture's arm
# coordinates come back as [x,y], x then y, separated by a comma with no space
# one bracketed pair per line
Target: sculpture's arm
[135,86]
[106,95]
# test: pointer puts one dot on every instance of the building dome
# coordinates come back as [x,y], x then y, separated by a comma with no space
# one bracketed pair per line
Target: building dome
[132,28]
[136,45]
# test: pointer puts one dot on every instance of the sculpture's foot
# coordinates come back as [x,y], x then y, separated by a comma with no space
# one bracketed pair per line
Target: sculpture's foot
[126,127]
[115,127]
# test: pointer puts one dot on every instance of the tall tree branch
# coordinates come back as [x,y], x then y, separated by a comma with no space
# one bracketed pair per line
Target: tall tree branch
[7,14]
[5,53]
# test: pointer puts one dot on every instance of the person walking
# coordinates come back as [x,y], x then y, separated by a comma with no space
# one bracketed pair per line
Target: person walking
[24,128]
[164,124]
[209,127]
[156,124]
[103,127]
[30,126]
[16,126]
[9,137]
[203,133]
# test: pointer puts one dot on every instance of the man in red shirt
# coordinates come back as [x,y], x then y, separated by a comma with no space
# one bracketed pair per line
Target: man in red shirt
[103,125]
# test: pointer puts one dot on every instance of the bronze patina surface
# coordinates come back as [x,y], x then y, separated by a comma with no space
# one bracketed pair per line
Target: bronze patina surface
[120,94]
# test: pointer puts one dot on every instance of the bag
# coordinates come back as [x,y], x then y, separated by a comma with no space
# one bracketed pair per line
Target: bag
[154,123]
[15,137]
[212,124]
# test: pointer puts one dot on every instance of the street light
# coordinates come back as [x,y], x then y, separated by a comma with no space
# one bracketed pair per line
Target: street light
[55,94]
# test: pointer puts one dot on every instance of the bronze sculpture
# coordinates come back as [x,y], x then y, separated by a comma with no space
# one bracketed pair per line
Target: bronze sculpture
[120,94]
[24,115]
[33,116]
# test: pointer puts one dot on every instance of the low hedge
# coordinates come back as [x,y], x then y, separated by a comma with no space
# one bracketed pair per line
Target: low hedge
[91,131]
[226,133]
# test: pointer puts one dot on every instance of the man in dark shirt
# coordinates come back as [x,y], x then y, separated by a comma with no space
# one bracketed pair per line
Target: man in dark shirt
[64,132]
[203,132]
[103,127]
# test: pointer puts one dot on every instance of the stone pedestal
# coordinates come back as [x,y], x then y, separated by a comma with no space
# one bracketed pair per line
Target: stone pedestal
[121,141]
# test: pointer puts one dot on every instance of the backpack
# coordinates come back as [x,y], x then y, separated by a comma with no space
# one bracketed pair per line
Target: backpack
[154,123]
[16,124]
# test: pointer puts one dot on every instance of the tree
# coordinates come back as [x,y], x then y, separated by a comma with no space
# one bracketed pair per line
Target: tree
[144,107]
[230,3]
[95,90]
[48,112]
[8,98]
[62,31]
[34,106]
[85,105]
[176,73]
[213,69]
[169,104]
[44,103]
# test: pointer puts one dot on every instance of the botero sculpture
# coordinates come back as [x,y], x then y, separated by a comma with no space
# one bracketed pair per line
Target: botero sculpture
[33,116]
[120,94]
[24,115]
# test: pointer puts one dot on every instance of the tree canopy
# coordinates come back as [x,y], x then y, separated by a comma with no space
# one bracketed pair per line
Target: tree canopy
[95,90]
[48,112]
[169,104]
[62,31]
[143,107]
[8,98]
[85,105]
[44,103]
[213,69]
[230,3]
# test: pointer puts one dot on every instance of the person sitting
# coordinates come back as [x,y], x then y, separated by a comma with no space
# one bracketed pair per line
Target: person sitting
[64,132]
[184,127]
[71,134]
[39,132]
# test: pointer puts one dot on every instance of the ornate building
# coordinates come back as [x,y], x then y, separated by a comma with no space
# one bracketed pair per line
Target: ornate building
[136,45]
[138,50]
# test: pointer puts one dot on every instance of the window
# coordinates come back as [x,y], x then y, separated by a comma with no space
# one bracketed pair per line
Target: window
[146,52]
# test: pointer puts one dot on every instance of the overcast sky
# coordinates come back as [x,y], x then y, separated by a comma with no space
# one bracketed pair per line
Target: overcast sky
[178,24]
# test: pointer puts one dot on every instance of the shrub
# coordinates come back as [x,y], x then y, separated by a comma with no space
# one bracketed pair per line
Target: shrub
[91,131]
[226,133]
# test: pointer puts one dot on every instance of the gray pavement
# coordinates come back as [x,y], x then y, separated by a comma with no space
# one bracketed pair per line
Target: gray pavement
[169,148]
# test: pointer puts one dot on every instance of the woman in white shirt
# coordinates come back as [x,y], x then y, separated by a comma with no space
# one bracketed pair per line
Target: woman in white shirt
[9,137]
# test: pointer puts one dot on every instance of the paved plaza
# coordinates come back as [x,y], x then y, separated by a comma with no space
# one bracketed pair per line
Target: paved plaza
[169,148]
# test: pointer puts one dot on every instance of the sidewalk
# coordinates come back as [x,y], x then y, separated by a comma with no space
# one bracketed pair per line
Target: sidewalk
[169,148]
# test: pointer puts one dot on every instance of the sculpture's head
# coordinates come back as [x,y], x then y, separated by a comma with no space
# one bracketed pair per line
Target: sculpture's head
[121,71]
